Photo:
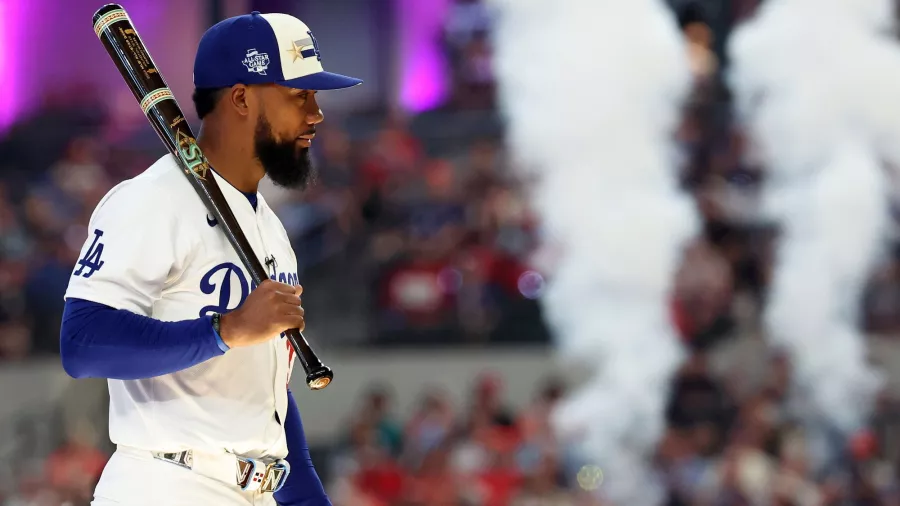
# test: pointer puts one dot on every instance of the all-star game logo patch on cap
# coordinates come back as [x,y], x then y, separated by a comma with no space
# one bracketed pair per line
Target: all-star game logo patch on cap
[263,48]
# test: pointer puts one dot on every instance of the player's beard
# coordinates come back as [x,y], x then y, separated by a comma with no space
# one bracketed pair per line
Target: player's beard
[286,163]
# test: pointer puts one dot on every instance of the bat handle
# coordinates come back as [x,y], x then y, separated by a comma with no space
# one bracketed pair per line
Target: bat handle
[318,375]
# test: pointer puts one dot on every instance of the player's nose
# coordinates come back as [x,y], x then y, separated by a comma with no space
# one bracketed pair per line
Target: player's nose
[314,115]
[315,118]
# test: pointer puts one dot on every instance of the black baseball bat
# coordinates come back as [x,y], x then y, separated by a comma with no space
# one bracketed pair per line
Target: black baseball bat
[118,35]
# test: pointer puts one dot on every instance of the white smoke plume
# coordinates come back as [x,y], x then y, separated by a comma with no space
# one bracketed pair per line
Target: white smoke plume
[592,91]
[816,84]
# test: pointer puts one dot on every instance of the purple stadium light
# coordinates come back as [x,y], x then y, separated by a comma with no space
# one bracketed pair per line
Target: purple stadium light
[424,75]
[11,28]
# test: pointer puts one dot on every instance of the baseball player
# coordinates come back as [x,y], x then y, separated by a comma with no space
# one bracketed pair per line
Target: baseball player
[160,305]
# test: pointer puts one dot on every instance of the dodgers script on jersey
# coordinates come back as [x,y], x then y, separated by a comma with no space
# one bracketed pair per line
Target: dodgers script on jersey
[153,249]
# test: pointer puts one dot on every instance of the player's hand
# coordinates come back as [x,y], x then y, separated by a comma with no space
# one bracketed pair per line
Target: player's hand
[268,311]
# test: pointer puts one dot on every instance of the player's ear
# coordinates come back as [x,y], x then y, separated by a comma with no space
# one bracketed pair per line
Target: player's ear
[239,98]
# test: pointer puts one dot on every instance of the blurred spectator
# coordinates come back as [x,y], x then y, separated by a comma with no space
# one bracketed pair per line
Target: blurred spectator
[465,20]
[15,340]
[79,176]
[467,34]
[700,404]
[437,216]
[364,471]
[73,470]
[882,298]
[433,483]
[542,486]
[44,289]
[488,402]
[703,295]
[33,491]
[376,413]
[15,242]
[700,39]
[429,427]
[537,436]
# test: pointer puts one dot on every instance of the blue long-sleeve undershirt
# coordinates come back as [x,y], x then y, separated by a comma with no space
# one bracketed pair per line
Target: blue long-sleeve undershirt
[98,341]
[303,487]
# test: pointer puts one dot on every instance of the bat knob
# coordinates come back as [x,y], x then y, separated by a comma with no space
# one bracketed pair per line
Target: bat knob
[319,378]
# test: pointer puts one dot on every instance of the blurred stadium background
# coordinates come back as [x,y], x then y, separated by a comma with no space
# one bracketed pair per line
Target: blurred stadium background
[417,257]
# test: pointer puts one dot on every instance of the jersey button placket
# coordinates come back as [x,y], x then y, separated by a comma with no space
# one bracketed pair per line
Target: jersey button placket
[260,228]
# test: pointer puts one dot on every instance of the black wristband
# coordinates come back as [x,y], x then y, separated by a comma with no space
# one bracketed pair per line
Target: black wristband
[216,323]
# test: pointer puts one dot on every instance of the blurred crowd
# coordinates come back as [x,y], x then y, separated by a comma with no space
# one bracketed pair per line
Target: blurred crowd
[730,441]
[442,242]
[733,438]
[440,231]
[483,453]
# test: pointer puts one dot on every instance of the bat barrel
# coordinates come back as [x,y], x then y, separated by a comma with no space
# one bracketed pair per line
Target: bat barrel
[106,9]
[124,45]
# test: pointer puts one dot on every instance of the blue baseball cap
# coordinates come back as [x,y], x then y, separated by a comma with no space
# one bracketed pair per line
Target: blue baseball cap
[263,48]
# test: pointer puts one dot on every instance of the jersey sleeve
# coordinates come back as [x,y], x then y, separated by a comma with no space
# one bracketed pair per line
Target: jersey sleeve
[132,248]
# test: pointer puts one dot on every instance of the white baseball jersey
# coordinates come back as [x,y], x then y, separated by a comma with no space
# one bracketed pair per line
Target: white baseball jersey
[153,249]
